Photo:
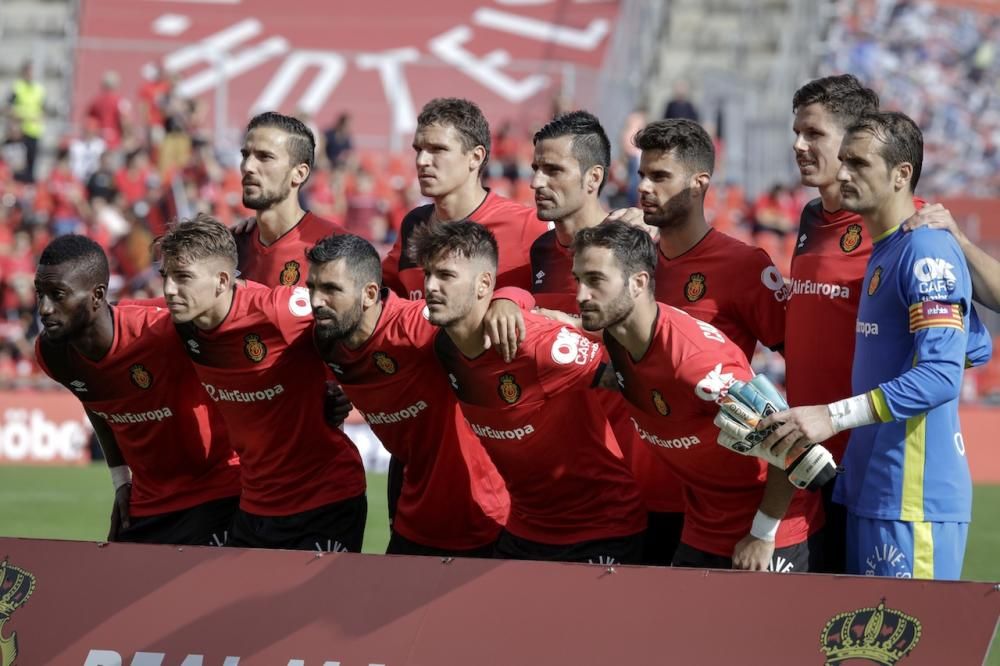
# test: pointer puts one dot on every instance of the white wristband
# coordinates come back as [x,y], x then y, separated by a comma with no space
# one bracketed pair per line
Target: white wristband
[120,476]
[851,413]
[764,526]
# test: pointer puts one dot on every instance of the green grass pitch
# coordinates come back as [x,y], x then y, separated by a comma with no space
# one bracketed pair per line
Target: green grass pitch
[75,502]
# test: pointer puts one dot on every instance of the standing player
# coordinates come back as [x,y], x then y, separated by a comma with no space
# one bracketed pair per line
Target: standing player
[571,498]
[452,501]
[672,368]
[829,260]
[704,272]
[452,145]
[572,157]
[143,398]
[252,347]
[277,160]
[906,480]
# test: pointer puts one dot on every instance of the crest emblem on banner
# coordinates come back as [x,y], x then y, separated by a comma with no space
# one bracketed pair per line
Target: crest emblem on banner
[16,585]
[881,635]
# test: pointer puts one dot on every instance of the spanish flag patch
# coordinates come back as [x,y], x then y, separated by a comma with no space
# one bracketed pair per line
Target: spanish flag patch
[931,314]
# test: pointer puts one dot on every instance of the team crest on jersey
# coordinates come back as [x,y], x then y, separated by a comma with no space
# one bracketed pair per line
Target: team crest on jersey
[508,389]
[290,274]
[385,363]
[661,405]
[851,238]
[695,287]
[875,281]
[140,376]
[254,348]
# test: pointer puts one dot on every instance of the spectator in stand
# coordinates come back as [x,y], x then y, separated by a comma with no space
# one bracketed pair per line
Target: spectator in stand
[27,111]
[110,110]
[85,151]
[774,212]
[131,179]
[339,142]
[152,101]
[505,154]
[680,106]
[102,182]
[67,196]
[15,151]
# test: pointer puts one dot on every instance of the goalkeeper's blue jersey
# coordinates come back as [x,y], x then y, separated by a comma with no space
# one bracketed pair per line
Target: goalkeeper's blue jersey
[911,340]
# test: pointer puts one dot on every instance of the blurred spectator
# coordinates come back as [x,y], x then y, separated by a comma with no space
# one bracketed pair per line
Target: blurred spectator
[102,182]
[67,205]
[130,179]
[151,104]
[85,151]
[680,106]
[634,122]
[15,151]
[110,110]
[774,212]
[338,141]
[504,153]
[27,111]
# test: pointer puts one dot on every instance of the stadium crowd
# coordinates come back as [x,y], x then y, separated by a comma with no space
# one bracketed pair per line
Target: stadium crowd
[939,64]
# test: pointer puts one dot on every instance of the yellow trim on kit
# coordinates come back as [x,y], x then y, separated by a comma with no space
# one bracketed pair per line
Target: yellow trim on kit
[914,458]
[885,234]
[880,405]
[923,550]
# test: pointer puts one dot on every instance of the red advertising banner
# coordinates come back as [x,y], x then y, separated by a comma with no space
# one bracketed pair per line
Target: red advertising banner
[43,427]
[379,59]
[85,604]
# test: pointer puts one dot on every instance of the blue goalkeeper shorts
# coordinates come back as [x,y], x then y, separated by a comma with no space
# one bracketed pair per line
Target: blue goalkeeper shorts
[899,549]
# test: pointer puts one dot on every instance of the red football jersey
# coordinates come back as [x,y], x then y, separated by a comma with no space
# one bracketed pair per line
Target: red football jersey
[828,266]
[263,371]
[515,227]
[170,435]
[552,281]
[452,496]
[729,284]
[283,262]
[672,392]
[541,423]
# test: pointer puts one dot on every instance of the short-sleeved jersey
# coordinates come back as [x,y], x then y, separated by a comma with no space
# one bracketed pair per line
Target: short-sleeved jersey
[170,435]
[540,422]
[729,284]
[263,371]
[452,496]
[673,392]
[554,287]
[552,281]
[912,333]
[831,253]
[514,226]
[283,262]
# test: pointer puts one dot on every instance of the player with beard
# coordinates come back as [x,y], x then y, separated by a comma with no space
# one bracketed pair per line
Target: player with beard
[277,160]
[252,347]
[905,484]
[700,270]
[571,498]
[175,475]
[452,501]
[672,369]
[452,150]
[572,157]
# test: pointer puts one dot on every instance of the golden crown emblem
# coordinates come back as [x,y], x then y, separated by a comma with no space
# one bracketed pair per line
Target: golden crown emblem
[16,585]
[882,635]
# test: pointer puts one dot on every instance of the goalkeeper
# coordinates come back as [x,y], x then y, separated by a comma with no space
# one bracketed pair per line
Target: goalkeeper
[673,370]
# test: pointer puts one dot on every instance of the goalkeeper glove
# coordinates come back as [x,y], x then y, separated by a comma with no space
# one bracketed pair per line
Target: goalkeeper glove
[743,407]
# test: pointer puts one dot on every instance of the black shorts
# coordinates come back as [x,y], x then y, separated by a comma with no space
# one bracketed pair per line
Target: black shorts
[663,535]
[400,545]
[334,528]
[799,557]
[619,550]
[834,534]
[206,524]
